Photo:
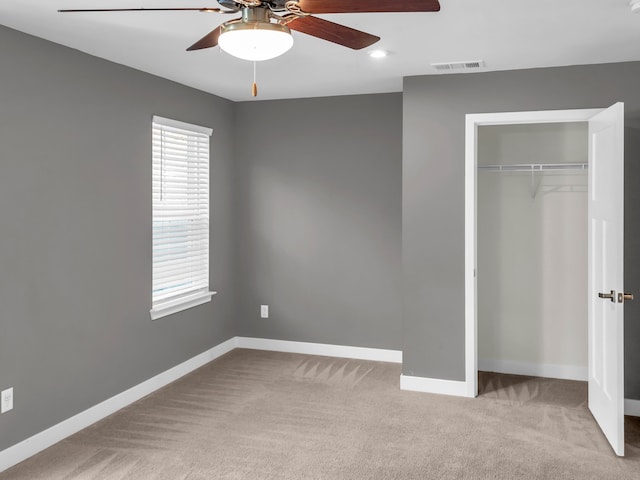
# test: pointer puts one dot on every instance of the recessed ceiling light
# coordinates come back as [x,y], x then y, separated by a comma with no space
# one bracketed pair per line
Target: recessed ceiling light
[378,53]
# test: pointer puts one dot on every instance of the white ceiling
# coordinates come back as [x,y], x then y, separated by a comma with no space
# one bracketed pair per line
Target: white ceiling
[506,34]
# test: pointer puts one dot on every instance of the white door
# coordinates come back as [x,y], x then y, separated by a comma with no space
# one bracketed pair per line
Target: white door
[606,307]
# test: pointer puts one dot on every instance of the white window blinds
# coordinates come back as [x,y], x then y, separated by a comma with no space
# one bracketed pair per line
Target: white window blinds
[180,216]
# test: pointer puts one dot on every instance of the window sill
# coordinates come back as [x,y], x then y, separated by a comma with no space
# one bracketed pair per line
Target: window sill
[176,306]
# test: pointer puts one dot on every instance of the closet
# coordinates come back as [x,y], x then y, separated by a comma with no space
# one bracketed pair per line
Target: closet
[532,249]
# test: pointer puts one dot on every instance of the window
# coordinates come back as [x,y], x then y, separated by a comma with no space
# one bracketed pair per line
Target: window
[180,216]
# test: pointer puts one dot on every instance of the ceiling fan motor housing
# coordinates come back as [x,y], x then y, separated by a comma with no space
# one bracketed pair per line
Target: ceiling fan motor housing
[234,5]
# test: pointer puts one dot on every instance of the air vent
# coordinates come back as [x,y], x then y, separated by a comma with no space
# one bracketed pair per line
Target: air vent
[458,65]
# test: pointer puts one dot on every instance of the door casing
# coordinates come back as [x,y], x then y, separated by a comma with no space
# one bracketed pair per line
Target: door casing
[473,121]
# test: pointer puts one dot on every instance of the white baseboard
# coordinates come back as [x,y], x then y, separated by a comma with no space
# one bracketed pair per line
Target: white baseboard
[25,449]
[32,445]
[343,351]
[632,407]
[565,372]
[434,385]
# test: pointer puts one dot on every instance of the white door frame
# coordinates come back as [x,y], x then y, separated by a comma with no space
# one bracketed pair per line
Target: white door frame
[473,121]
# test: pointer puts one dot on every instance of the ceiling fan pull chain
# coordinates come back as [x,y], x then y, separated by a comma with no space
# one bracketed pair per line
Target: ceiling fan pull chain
[254,87]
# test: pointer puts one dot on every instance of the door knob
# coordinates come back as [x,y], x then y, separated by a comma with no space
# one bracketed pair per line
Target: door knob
[611,296]
[624,296]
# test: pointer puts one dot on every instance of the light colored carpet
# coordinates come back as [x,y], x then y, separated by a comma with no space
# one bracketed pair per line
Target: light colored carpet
[264,415]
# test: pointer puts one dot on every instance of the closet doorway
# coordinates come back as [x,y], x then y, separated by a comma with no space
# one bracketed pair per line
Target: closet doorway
[603,228]
[532,249]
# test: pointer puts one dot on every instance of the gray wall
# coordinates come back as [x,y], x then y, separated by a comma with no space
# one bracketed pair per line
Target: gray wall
[319,209]
[433,192]
[75,231]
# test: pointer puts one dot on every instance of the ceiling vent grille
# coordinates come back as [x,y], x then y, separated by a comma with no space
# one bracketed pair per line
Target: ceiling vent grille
[458,65]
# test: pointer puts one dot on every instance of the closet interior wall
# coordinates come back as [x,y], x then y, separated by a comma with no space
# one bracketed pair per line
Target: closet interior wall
[532,251]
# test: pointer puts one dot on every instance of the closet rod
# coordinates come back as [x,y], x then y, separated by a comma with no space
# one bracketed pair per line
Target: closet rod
[534,167]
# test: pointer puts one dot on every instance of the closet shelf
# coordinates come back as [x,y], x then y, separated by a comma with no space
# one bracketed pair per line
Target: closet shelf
[534,167]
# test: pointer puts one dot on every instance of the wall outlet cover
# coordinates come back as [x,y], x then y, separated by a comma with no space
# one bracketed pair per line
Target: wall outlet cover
[6,400]
[264,311]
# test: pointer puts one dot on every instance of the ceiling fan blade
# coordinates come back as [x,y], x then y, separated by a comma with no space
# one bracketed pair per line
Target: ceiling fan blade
[203,9]
[332,32]
[363,6]
[209,40]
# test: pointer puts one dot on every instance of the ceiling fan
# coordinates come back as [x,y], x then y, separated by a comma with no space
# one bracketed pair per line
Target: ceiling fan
[282,16]
[263,30]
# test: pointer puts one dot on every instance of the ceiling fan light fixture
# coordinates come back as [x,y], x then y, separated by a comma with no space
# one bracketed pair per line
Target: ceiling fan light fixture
[255,41]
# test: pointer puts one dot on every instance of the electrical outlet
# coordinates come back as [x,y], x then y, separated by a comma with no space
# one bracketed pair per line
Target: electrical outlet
[264,311]
[6,397]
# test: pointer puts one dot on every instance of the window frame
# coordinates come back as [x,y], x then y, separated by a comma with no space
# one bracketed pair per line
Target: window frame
[200,294]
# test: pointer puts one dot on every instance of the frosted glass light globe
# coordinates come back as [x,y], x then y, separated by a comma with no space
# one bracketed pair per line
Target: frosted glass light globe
[255,41]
